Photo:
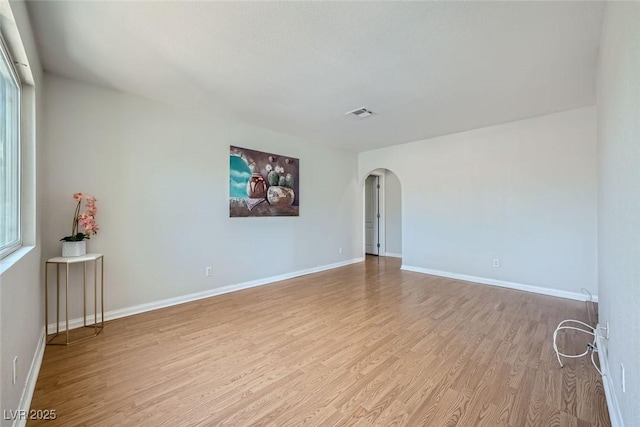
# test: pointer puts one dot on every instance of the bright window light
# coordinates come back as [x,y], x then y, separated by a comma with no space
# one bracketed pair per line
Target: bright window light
[10,236]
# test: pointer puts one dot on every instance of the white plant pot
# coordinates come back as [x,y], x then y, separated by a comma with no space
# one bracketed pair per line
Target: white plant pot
[70,249]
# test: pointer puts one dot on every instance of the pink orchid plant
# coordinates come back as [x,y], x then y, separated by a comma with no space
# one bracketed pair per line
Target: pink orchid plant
[86,219]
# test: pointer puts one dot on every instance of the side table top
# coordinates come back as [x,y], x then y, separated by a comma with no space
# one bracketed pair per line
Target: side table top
[74,259]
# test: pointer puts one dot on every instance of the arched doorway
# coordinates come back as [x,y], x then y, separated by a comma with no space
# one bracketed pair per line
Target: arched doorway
[382,214]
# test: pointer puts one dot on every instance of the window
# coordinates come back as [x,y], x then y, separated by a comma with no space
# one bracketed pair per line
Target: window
[10,237]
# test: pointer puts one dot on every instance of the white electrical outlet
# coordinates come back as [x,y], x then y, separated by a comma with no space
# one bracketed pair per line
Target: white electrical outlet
[623,379]
[15,370]
[340,251]
[496,262]
[208,271]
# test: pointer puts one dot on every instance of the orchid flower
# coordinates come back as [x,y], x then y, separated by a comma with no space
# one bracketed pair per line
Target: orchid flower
[86,219]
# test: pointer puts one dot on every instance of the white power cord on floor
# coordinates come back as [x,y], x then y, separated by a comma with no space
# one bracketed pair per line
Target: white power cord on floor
[577,325]
[583,327]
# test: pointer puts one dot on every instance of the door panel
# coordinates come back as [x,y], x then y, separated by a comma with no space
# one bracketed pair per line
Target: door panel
[370,215]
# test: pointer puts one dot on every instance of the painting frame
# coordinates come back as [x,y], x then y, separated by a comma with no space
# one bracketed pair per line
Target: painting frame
[263,184]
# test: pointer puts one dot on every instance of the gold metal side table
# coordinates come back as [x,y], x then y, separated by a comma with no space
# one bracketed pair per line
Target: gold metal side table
[67,261]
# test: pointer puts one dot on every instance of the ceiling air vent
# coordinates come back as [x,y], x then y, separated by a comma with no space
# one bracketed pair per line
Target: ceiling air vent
[361,113]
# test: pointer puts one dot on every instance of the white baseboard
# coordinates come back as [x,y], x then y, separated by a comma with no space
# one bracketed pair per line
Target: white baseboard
[137,309]
[609,389]
[501,283]
[30,384]
[391,254]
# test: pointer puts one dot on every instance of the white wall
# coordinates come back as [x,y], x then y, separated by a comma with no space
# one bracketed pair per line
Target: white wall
[393,213]
[523,192]
[619,198]
[21,293]
[161,176]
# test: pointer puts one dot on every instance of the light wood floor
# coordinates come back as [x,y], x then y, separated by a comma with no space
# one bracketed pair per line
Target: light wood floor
[365,344]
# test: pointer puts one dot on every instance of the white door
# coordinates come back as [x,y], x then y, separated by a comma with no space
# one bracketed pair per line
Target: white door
[371,214]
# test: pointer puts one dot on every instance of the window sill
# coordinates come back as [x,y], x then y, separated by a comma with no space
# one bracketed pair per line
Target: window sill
[10,260]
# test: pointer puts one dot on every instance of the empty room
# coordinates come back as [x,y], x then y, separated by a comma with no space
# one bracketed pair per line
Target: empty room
[320,213]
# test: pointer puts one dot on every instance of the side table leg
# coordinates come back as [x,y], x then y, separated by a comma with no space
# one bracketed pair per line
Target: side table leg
[66,303]
[95,296]
[102,288]
[84,294]
[46,301]
[57,299]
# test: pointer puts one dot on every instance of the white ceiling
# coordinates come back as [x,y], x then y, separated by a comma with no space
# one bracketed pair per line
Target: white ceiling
[425,69]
